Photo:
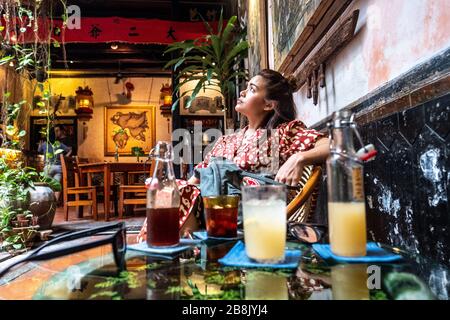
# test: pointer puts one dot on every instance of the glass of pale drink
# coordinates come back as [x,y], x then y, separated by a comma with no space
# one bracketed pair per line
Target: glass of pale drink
[264,212]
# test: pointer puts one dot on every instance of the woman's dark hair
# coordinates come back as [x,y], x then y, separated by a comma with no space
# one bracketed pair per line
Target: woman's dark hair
[280,90]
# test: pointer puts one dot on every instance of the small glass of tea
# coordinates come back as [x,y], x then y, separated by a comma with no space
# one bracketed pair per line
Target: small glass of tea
[221,215]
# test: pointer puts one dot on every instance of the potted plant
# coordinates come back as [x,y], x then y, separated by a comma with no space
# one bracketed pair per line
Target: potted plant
[138,152]
[212,60]
[27,203]
[17,226]
[15,235]
[26,197]
[43,202]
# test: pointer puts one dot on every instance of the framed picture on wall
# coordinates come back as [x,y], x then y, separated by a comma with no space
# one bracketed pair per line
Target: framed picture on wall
[202,105]
[290,18]
[257,36]
[296,27]
[127,127]
[38,127]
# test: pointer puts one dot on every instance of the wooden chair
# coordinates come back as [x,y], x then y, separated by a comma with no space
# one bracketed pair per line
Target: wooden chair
[71,186]
[99,187]
[138,191]
[303,202]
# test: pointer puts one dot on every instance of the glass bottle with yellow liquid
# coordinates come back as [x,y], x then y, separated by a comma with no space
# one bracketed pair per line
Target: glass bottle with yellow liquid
[346,205]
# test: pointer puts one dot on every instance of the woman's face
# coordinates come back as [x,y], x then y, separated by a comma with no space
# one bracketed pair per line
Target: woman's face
[251,101]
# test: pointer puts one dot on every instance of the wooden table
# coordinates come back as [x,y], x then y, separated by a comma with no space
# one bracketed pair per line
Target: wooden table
[107,168]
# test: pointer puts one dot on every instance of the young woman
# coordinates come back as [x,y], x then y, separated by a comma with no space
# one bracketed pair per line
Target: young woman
[273,142]
[269,107]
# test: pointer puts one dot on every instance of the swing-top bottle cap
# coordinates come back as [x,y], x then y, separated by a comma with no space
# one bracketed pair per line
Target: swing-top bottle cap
[341,118]
[162,151]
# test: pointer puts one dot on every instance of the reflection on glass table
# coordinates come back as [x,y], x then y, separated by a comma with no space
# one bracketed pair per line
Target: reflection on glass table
[349,282]
[196,274]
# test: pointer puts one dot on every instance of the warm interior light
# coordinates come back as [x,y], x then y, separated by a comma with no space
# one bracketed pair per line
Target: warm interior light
[114,46]
[84,103]
[167,100]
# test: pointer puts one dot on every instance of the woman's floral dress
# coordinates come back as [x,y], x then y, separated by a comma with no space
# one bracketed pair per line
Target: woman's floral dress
[259,152]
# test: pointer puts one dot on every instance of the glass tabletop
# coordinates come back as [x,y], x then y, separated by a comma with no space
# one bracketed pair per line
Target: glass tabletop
[197,274]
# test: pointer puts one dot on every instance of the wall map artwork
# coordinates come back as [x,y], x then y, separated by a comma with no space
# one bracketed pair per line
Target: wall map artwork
[129,127]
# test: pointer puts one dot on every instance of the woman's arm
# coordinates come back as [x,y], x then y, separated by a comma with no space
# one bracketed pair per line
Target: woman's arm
[291,171]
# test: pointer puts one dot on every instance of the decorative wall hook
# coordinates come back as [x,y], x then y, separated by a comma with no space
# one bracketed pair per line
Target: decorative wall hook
[312,68]
[315,87]
[309,88]
[316,79]
[322,75]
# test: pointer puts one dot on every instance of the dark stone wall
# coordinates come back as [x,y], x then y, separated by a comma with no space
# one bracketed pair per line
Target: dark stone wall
[407,185]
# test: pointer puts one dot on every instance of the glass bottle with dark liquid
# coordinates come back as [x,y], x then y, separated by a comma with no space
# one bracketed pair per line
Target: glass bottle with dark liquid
[163,200]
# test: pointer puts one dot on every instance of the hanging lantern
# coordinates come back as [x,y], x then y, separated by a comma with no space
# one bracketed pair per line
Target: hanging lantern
[84,103]
[166,99]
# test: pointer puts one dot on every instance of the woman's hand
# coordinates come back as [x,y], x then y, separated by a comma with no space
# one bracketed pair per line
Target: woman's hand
[291,171]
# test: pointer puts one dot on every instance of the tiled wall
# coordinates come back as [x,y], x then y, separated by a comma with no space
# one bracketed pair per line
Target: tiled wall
[407,185]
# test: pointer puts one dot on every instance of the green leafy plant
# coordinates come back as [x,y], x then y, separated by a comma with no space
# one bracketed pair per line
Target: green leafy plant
[10,119]
[137,152]
[232,293]
[14,203]
[15,186]
[128,278]
[212,60]
[24,16]
[30,59]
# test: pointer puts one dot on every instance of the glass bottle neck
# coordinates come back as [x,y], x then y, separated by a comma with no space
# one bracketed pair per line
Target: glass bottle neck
[164,170]
[343,140]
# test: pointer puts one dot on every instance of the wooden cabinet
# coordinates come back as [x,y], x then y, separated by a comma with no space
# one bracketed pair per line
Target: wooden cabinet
[202,132]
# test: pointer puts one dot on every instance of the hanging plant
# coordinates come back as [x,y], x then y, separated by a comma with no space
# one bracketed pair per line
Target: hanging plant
[212,60]
[30,59]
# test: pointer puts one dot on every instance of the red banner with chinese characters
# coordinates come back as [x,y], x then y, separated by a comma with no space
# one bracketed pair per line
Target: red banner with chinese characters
[110,29]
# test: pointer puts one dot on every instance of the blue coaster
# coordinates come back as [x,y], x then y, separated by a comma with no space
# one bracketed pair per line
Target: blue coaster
[374,254]
[203,235]
[237,257]
[183,245]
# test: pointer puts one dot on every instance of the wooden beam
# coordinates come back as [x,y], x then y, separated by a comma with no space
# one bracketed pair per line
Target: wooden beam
[306,33]
[340,34]
[322,19]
